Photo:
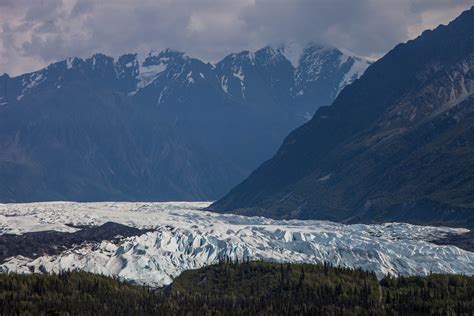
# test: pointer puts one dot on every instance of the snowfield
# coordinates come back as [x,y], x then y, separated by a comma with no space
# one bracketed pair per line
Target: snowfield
[184,237]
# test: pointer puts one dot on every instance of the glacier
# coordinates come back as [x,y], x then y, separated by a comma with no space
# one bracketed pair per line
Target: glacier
[182,236]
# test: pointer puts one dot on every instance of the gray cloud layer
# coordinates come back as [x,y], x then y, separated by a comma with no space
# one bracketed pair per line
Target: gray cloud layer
[34,33]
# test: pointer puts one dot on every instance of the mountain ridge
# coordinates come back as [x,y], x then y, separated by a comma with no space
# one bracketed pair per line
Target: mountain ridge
[168,127]
[371,155]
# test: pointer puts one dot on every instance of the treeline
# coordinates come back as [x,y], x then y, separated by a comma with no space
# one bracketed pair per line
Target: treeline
[74,293]
[285,289]
[247,288]
[436,294]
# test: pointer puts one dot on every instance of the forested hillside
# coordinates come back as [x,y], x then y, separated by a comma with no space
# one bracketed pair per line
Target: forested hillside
[241,289]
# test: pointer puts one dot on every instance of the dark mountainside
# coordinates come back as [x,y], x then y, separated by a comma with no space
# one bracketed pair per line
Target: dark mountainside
[254,288]
[396,145]
[169,128]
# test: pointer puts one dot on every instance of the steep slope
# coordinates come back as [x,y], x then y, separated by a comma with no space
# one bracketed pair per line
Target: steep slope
[169,127]
[397,144]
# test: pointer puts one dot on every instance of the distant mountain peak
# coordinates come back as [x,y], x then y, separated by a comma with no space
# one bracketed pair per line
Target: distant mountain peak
[270,62]
[72,62]
[160,126]
[99,59]
[294,51]
[127,66]
[245,56]
[164,57]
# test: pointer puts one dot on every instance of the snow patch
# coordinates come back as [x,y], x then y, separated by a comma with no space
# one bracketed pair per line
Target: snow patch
[224,84]
[307,116]
[70,62]
[325,178]
[149,73]
[29,82]
[34,80]
[162,93]
[357,70]
[189,77]
[239,74]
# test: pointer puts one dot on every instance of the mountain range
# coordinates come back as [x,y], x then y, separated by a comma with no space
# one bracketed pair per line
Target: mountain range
[396,145]
[166,127]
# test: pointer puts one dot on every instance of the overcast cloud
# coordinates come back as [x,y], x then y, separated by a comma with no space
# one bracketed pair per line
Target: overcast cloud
[34,33]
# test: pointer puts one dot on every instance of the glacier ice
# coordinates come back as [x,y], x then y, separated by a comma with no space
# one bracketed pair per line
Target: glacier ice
[185,237]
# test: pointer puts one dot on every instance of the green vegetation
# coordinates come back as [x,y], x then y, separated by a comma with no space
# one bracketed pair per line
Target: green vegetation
[242,289]
[438,294]
[280,289]
[76,293]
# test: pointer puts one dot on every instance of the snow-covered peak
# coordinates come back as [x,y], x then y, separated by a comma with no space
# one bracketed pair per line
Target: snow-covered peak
[317,60]
[156,63]
[98,61]
[270,56]
[319,54]
[244,57]
[357,69]
[149,73]
[314,60]
[31,81]
[294,52]
[73,62]
[232,72]
[313,67]
[164,57]
[269,51]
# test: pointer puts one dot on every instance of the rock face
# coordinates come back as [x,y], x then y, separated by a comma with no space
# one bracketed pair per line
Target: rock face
[169,127]
[396,145]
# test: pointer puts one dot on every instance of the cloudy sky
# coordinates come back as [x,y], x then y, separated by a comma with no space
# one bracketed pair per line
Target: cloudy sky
[34,33]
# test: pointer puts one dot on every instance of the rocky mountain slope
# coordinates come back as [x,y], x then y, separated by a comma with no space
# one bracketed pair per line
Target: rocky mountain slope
[396,145]
[169,127]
